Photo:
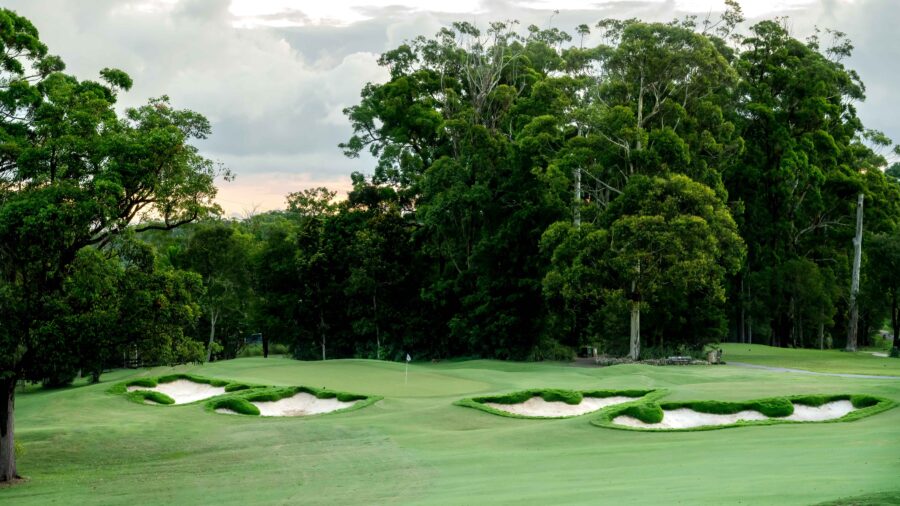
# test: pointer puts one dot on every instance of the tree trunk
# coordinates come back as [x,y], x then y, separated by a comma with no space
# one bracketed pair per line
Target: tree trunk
[265,342]
[213,316]
[821,329]
[742,334]
[322,331]
[895,318]
[375,319]
[635,342]
[7,446]
[852,332]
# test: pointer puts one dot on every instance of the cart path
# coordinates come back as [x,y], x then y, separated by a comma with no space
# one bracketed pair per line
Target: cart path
[801,371]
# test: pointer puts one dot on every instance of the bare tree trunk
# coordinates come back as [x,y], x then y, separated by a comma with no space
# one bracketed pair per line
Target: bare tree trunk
[742,334]
[852,332]
[821,329]
[375,319]
[634,350]
[7,441]
[577,203]
[322,331]
[213,316]
[895,318]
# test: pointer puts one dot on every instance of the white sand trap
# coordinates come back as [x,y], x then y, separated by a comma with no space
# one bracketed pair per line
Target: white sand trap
[184,391]
[827,411]
[879,354]
[226,411]
[686,418]
[538,407]
[300,405]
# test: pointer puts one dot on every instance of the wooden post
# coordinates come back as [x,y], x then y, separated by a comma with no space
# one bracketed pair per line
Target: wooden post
[852,332]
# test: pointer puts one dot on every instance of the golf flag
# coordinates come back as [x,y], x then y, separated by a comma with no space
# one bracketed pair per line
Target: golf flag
[408,358]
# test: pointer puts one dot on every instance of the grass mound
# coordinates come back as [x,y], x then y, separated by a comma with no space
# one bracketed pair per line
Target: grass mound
[571,397]
[774,407]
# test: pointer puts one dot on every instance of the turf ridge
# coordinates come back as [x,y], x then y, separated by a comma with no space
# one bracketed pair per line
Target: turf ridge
[241,402]
[551,395]
[651,411]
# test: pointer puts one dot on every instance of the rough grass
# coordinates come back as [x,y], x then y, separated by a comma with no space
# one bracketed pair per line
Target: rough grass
[828,361]
[652,412]
[572,397]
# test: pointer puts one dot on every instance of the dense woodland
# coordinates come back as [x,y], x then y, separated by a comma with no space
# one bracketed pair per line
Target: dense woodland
[675,185]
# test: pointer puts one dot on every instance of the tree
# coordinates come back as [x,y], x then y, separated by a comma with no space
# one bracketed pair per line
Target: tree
[883,269]
[74,174]
[220,253]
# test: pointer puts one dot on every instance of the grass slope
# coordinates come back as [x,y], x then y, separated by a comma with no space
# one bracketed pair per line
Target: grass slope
[829,361]
[84,446]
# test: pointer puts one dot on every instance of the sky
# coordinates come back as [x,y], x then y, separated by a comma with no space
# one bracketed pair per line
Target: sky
[273,76]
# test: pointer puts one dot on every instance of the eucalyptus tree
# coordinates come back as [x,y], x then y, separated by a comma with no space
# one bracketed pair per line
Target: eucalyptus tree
[73,174]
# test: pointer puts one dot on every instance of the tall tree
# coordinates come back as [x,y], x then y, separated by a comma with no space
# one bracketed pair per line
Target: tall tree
[74,174]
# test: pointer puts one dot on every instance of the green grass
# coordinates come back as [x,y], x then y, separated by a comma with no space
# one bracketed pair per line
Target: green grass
[85,446]
[829,361]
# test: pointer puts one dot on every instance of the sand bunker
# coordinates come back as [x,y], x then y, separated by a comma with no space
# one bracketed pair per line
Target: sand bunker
[685,418]
[301,404]
[184,391]
[538,407]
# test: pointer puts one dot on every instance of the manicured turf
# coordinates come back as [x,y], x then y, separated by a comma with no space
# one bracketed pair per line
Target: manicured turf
[831,361]
[85,446]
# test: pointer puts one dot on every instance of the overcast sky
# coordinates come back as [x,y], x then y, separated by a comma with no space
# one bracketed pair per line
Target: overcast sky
[272,76]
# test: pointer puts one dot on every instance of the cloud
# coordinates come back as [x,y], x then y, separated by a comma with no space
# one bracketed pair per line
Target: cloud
[273,75]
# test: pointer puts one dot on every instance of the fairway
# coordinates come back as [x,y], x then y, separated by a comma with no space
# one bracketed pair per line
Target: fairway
[86,446]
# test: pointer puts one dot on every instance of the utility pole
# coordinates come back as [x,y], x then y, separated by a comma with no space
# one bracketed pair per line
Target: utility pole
[854,283]
[577,202]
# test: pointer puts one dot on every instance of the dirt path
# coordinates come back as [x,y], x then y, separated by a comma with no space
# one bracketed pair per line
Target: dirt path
[801,371]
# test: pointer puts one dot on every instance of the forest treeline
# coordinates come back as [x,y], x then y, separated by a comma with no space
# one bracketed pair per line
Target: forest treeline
[676,185]
[667,186]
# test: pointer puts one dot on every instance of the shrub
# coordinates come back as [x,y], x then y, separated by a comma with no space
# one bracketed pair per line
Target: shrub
[142,382]
[863,401]
[235,387]
[650,412]
[567,396]
[154,396]
[895,352]
[236,404]
[190,377]
[776,407]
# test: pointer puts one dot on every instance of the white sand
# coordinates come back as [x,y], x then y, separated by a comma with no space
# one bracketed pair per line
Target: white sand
[184,391]
[226,411]
[538,407]
[827,411]
[300,405]
[685,418]
[879,354]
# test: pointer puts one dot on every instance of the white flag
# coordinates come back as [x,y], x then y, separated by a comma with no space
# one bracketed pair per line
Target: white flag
[408,358]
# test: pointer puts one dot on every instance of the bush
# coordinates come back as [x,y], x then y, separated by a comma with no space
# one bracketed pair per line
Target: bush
[154,396]
[190,377]
[256,350]
[777,407]
[236,404]
[863,401]
[650,412]
[142,382]
[895,352]
[567,396]
[550,349]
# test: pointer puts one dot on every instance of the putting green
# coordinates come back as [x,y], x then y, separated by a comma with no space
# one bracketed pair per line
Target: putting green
[84,446]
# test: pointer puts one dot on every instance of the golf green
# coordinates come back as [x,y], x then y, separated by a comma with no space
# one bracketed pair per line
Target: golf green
[86,446]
